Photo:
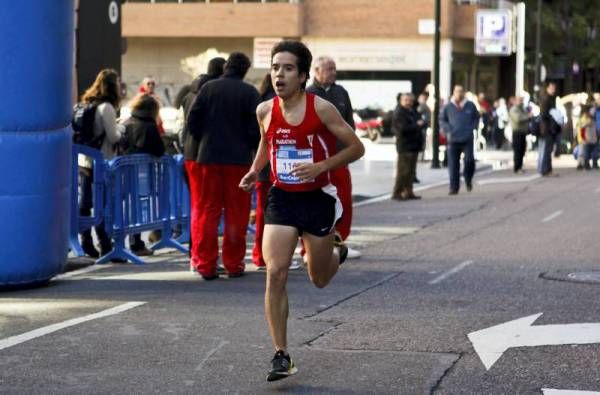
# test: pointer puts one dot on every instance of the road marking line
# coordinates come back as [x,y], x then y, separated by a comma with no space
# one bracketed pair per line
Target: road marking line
[23,337]
[85,270]
[209,354]
[552,216]
[508,180]
[450,272]
[549,391]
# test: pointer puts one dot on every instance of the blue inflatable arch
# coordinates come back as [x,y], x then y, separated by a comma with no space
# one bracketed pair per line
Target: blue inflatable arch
[36,48]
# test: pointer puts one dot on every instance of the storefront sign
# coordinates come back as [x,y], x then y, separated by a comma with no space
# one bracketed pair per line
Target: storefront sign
[494,32]
[262,52]
[375,55]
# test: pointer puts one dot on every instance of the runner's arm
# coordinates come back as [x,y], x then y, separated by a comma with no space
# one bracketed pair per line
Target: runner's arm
[262,156]
[353,148]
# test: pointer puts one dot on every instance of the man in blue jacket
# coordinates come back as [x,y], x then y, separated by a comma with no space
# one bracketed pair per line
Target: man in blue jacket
[459,119]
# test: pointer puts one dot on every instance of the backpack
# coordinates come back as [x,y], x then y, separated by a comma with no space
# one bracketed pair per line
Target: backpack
[84,115]
[534,125]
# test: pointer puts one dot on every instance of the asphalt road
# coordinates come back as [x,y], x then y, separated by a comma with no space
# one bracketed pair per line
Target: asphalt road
[396,321]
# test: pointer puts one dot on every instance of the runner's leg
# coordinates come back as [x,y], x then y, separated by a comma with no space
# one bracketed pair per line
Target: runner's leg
[323,260]
[262,191]
[279,242]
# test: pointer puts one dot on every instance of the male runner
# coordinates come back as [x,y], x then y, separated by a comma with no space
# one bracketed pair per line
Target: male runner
[298,135]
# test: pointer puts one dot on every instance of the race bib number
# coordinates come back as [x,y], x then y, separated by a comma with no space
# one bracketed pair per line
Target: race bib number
[288,159]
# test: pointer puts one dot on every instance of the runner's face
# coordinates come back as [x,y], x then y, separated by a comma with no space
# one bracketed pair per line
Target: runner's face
[285,75]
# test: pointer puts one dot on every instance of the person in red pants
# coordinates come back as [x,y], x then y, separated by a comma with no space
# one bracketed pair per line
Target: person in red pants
[190,145]
[222,120]
[324,86]
[262,185]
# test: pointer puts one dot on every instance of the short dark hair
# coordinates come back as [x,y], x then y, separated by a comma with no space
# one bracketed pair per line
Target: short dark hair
[238,63]
[399,95]
[298,49]
[215,66]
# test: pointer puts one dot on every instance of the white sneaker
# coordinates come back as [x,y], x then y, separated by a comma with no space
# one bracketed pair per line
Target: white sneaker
[353,254]
[294,265]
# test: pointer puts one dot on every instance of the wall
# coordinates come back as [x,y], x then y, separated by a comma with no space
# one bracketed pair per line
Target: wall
[383,18]
[160,57]
[212,20]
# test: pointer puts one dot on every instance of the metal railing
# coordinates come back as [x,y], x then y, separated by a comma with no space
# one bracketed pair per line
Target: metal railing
[139,189]
[81,223]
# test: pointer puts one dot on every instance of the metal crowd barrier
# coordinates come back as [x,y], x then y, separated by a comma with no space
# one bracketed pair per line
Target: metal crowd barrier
[181,197]
[134,194]
[81,223]
[139,190]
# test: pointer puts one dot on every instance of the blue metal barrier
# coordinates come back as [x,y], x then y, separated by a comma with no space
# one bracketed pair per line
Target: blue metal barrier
[80,223]
[181,197]
[139,189]
[133,194]
[252,227]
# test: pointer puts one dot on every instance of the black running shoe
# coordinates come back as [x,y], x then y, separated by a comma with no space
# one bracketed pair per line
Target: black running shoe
[343,249]
[282,367]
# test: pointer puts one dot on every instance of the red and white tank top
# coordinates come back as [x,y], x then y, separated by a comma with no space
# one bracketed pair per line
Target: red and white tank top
[290,146]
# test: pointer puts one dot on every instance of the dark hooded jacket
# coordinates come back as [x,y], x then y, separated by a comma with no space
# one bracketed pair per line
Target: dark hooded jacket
[190,145]
[548,126]
[408,133]
[223,122]
[215,70]
[141,135]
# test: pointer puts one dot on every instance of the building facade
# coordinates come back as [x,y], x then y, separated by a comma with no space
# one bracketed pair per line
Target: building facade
[381,47]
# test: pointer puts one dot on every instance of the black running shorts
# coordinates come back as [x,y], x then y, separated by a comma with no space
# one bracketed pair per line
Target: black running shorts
[312,212]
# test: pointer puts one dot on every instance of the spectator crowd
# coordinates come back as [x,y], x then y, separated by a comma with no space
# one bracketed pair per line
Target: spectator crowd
[220,134]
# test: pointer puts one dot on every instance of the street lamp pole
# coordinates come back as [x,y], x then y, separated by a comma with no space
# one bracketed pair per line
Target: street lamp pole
[538,54]
[435,160]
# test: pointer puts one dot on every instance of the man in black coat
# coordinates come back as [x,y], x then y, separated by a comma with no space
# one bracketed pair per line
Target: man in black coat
[214,71]
[549,130]
[407,125]
[223,122]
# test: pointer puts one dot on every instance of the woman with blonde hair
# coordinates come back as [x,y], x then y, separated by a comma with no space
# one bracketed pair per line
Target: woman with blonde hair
[104,94]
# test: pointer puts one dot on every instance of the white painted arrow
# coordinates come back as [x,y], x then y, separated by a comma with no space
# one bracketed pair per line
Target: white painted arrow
[492,342]
[549,391]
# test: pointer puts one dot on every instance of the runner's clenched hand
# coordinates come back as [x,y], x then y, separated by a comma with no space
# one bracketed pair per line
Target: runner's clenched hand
[308,171]
[247,182]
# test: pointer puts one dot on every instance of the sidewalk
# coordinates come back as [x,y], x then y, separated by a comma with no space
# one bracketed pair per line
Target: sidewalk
[374,174]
